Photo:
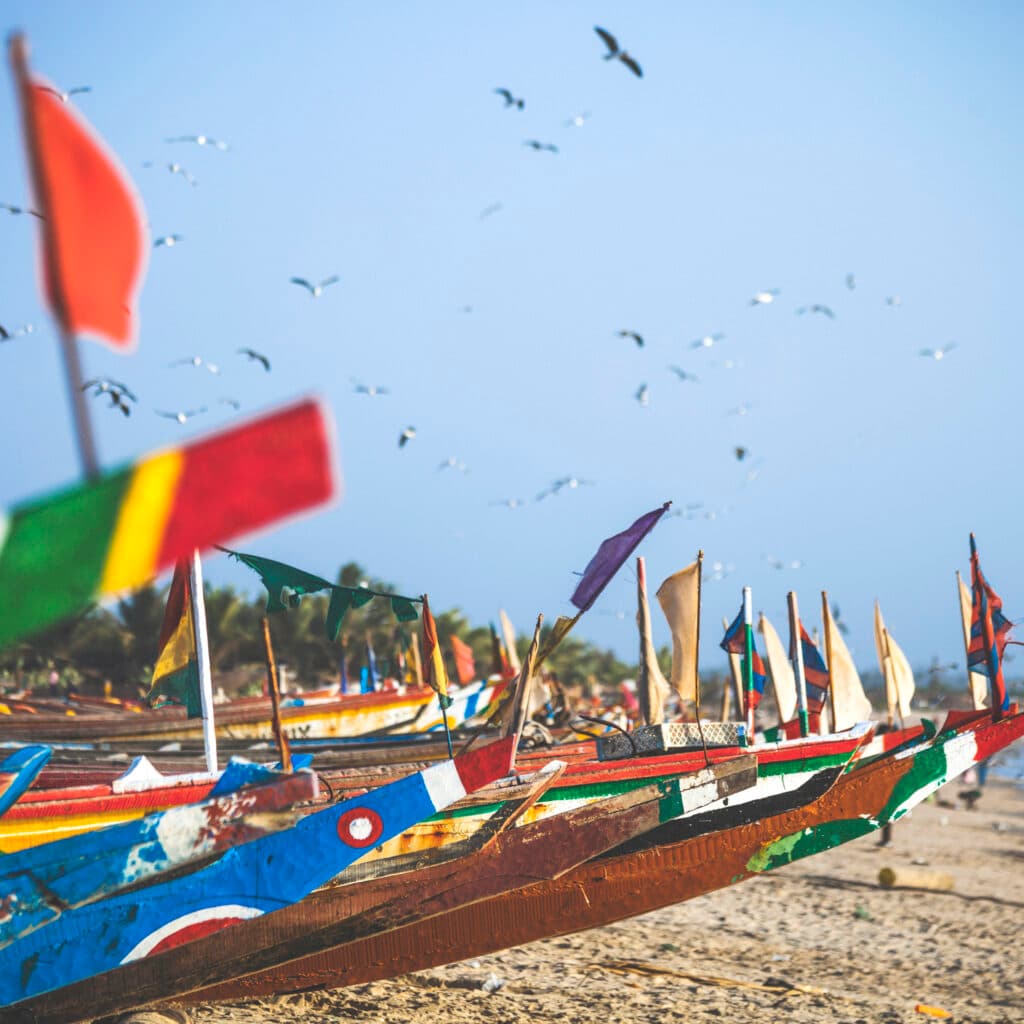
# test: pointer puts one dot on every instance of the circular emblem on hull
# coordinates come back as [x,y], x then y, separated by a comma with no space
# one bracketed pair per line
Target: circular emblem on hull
[360,827]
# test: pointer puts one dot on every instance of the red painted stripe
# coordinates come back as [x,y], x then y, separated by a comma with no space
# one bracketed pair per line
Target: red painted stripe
[992,738]
[192,932]
[479,767]
[246,478]
[67,803]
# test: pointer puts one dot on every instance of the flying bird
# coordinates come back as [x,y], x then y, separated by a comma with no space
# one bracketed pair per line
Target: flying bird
[15,210]
[510,100]
[452,462]
[65,96]
[182,417]
[778,563]
[765,297]
[168,240]
[578,121]
[201,140]
[316,290]
[740,452]
[840,625]
[259,357]
[233,402]
[372,390]
[509,503]
[851,282]
[817,307]
[489,211]
[176,168]
[893,300]
[571,482]
[6,335]
[541,146]
[196,361]
[937,353]
[643,395]
[114,390]
[406,436]
[683,375]
[638,338]
[707,341]
[614,53]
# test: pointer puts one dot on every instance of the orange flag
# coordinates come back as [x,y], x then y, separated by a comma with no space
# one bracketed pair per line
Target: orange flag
[93,238]
[465,666]
[434,672]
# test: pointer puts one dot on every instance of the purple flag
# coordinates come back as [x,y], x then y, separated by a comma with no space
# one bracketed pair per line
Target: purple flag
[610,556]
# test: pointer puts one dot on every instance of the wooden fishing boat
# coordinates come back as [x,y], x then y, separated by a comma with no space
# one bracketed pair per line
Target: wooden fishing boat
[256,878]
[497,859]
[18,771]
[675,862]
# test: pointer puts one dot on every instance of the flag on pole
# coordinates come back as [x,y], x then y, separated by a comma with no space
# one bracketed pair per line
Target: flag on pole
[679,597]
[896,671]
[734,641]
[434,672]
[990,631]
[465,665]
[176,673]
[850,704]
[508,634]
[92,228]
[978,683]
[752,698]
[62,552]
[781,671]
[815,673]
[610,556]
[652,686]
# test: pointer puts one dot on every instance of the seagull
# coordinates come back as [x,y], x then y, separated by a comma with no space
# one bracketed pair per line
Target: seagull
[201,140]
[707,341]
[452,462]
[259,357]
[643,396]
[489,211]
[615,53]
[851,282]
[233,402]
[539,146]
[571,482]
[196,361]
[893,300]
[765,298]
[176,168]
[741,410]
[740,452]
[937,353]
[816,308]
[114,390]
[578,121]
[683,375]
[372,390]
[510,100]
[181,417]
[778,563]
[65,96]
[6,335]
[15,210]
[406,436]
[169,240]
[638,338]
[316,290]
[509,503]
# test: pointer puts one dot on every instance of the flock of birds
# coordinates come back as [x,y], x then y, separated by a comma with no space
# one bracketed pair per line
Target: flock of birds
[123,399]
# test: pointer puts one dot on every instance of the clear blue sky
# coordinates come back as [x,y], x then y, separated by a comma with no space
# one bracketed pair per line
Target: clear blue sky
[767,146]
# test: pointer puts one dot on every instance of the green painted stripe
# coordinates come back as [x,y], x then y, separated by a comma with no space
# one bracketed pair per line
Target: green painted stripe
[52,560]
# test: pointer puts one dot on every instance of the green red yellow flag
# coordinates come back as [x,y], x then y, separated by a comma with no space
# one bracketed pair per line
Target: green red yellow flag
[60,553]
[434,672]
[176,673]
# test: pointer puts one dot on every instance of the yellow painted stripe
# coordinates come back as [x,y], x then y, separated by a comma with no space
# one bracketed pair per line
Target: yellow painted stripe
[131,559]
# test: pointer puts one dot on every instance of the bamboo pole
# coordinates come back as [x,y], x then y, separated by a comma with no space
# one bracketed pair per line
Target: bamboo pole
[275,698]
[18,55]
[796,653]
[195,585]
[826,625]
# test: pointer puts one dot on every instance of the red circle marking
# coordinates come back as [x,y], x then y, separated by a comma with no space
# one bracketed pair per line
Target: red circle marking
[193,931]
[360,827]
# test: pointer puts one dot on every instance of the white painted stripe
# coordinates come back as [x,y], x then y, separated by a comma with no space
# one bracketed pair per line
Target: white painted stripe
[443,784]
[5,528]
[151,941]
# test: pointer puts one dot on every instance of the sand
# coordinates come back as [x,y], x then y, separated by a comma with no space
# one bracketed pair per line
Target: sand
[821,937]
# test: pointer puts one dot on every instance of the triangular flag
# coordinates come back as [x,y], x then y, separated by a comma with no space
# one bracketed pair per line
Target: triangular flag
[978,680]
[465,665]
[850,705]
[652,687]
[434,672]
[679,597]
[780,671]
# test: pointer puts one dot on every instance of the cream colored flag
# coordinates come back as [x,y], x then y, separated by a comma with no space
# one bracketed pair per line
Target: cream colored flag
[652,687]
[508,634]
[679,597]
[978,682]
[524,684]
[780,670]
[885,663]
[850,705]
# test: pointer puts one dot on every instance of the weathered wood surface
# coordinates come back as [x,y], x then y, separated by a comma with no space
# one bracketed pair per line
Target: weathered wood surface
[503,860]
[915,878]
[663,867]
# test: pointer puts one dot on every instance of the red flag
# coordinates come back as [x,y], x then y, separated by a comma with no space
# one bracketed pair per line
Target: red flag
[465,666]
[94,242]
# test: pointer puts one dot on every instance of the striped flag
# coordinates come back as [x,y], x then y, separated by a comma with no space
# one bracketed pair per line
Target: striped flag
[815,674]
[990,630]
[434,672]
[176,673]
[92,228]
[753,697]
[62,552]
[734,641]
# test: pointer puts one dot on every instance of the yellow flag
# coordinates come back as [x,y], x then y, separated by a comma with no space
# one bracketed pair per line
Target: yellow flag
[978,682]
[780,670]
[433,661]
[508,634]
[652,688]
[850,704]
[679,597]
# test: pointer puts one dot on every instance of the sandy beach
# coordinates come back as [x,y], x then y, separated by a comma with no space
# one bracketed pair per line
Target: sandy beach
[819,940]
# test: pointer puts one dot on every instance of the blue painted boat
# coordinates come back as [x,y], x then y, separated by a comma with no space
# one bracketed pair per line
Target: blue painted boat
[246,882]
[18,771]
